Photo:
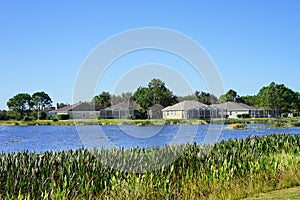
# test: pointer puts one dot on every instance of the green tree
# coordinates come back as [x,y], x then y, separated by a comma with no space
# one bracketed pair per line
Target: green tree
[115,99]
[103,100]
[206,98]
[20,105]
[61,105]
[278,96]
[188,97]
[155,93]
[231,95]
[41,101]
[125,96]
[249,100]
[297,104]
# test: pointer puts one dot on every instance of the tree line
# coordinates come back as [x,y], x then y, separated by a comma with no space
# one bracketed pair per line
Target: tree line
[274,96]
[271,97]
[24,105]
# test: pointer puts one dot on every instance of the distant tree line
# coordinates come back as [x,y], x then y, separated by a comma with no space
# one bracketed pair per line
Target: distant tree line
[271,97]
[26,106]
[274,96]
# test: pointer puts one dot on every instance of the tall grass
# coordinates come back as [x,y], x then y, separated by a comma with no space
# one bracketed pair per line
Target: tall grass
[229,170]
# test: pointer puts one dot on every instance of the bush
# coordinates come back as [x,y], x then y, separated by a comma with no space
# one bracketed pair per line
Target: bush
[285,115]
[55,120]
[27,118]
[245,115]
[63,116]
[42,116]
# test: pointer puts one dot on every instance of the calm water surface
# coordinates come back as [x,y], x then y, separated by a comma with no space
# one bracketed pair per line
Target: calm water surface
[44,138]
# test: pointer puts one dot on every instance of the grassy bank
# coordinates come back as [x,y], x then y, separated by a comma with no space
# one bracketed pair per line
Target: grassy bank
[284,194]
[139,122]
[275,122]
[228,170]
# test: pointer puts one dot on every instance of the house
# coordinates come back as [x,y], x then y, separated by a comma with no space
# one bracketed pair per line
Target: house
[155,112]
[188,109]
[77,111]
[234,110]
[123,110]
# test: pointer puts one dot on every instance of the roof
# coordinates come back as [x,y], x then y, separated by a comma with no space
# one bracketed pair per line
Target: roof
[76,107]
[234,106]
[125,105]
[185,105]
[156,107]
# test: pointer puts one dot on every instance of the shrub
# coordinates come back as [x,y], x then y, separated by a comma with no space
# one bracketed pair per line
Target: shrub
[42,116]
[55,120]
[27,118]
[244,115]
[285,115]
[63,116]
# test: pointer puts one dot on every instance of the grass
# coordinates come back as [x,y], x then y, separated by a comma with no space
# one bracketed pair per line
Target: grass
[237,126]
[139,122]
[274,122]
[233,169]
[284,194]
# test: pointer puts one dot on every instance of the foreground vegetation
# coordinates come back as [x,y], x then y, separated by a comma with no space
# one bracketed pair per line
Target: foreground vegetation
[228,170]
[284,194]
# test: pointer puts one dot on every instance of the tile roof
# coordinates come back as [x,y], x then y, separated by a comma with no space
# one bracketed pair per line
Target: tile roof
[234,106]
[130,105]
[185,105]
[77,107]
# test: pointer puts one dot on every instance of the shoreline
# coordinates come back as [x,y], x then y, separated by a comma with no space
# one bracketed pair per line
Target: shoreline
[275,122]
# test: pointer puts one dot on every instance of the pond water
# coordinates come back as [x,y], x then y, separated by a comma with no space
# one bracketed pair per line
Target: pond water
[44,138]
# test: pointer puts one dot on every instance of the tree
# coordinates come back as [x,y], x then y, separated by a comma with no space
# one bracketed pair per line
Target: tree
[206,98]
[41,101]
[249,100]
[155,93]
[3,115]
[103,100]
[125,96]
[141,96]
[20,104]
[231,95]
[279,97]
[188,97]
[61,105]
[115,99]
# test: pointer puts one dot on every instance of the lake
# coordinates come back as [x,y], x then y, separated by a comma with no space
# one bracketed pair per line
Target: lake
[45,138]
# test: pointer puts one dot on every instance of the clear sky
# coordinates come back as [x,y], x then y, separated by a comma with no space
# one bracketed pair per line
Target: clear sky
[44,43]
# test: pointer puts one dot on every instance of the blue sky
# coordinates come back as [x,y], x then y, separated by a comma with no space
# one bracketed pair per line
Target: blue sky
[43,44]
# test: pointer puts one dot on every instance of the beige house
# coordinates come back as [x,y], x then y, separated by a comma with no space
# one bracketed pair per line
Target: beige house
[187,109]
[77,111]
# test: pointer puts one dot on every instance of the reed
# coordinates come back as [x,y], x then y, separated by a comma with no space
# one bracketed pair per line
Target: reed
[231,169]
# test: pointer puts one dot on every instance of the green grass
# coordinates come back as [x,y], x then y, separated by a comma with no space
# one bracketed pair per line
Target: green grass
[280,122]
[237,126]
[284,194]
[234,169]
[139,122]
